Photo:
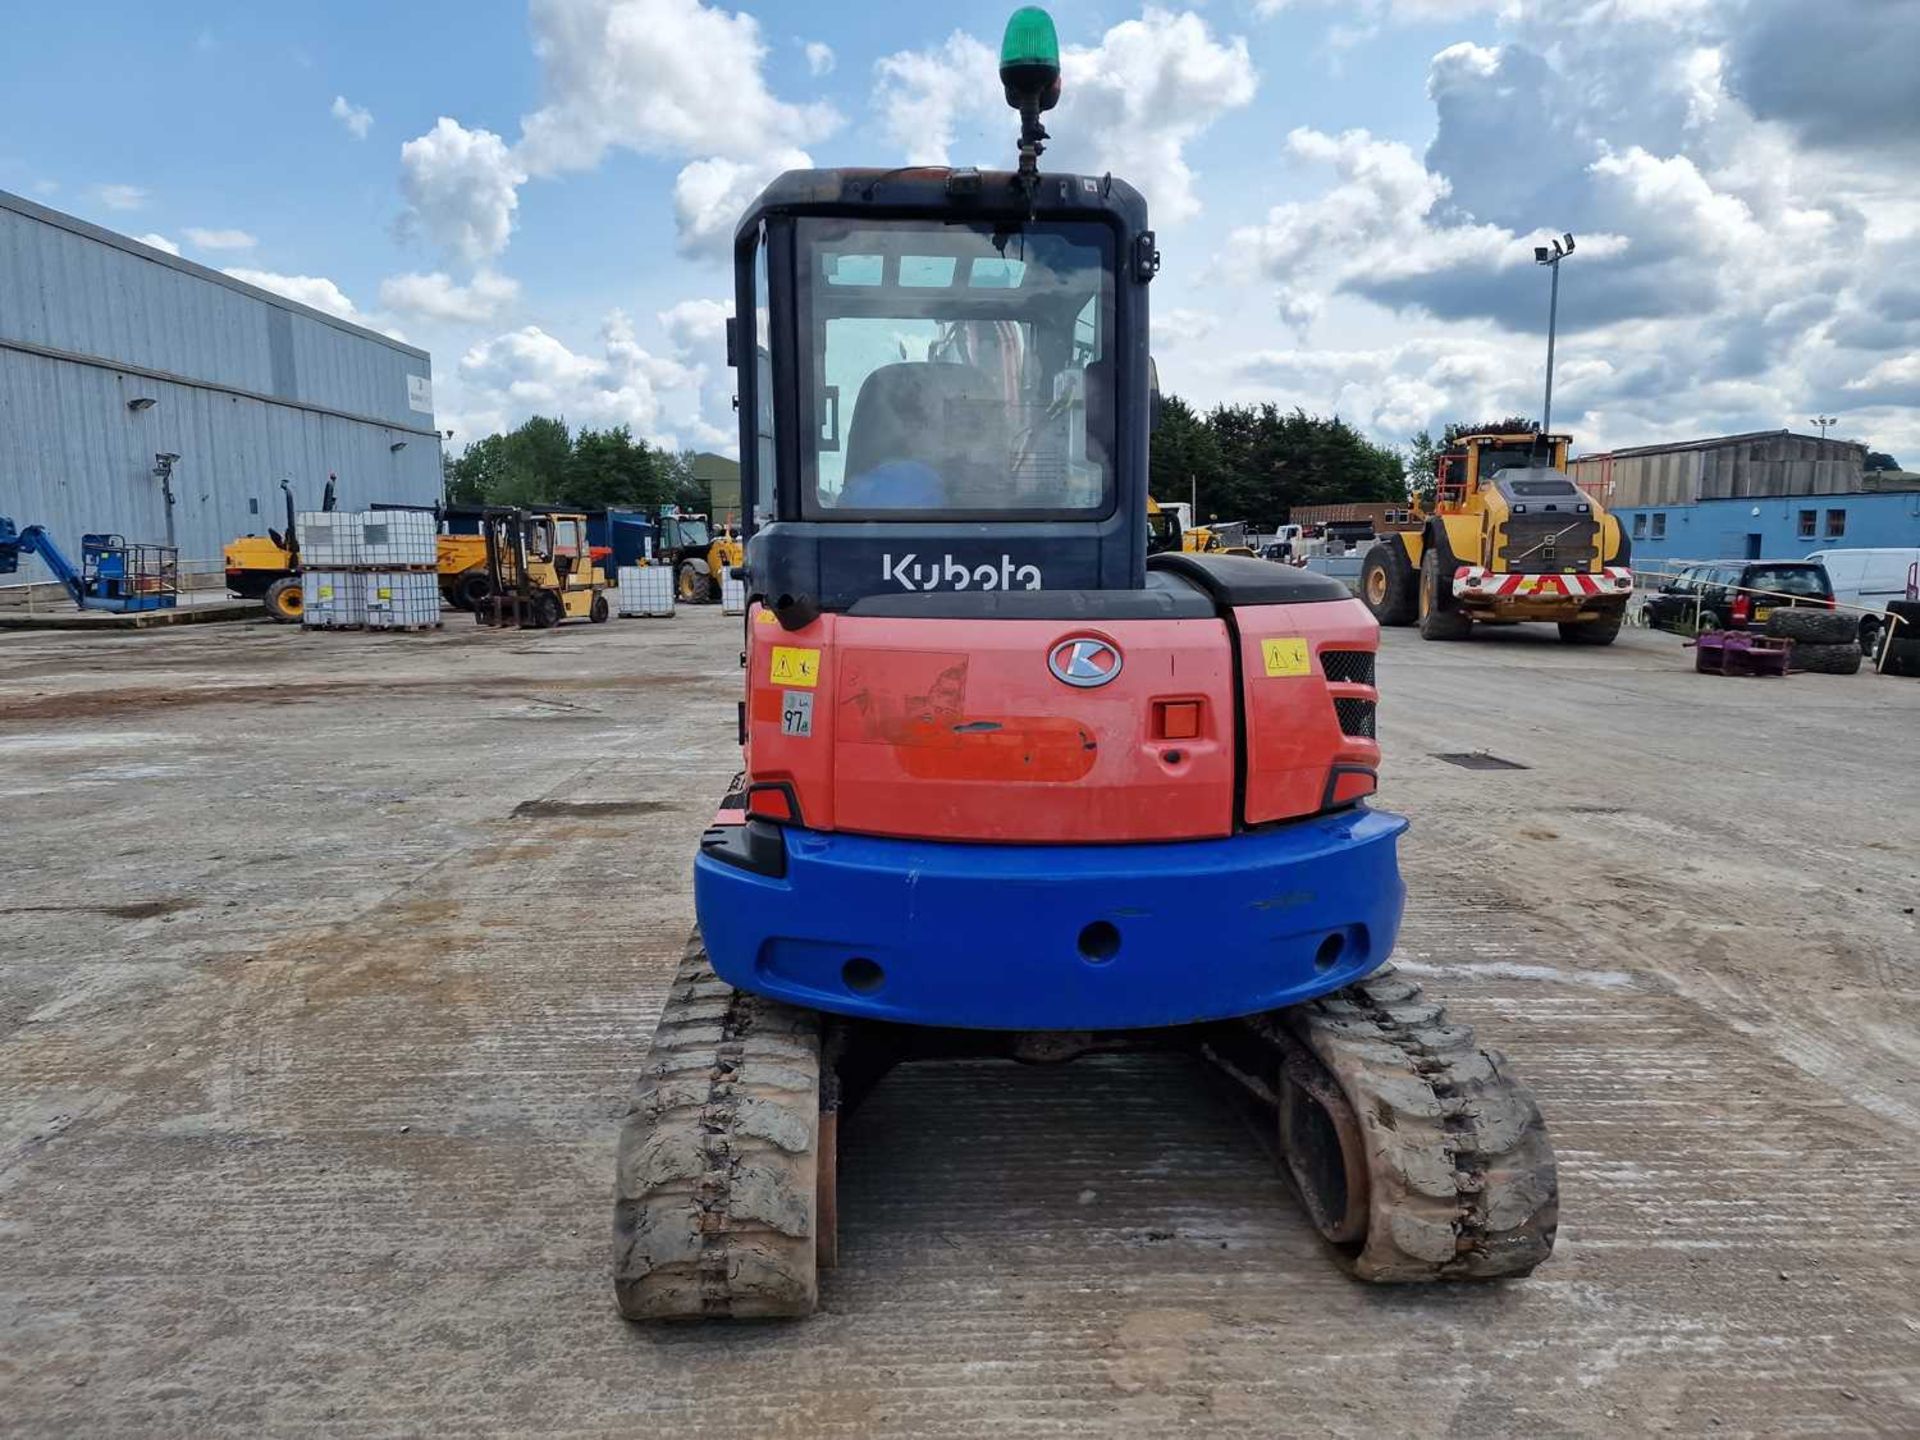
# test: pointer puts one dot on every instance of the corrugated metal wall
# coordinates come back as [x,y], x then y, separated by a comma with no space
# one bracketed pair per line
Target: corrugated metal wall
[248,390]
[1754,467]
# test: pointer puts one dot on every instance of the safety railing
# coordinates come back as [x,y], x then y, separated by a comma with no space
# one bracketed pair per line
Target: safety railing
[50,596]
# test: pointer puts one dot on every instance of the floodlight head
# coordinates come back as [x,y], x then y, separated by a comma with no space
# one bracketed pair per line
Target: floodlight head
[1569,239]
[1540,255]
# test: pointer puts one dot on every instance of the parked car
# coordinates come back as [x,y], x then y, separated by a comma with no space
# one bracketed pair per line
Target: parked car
[1869,578]
[1711,594]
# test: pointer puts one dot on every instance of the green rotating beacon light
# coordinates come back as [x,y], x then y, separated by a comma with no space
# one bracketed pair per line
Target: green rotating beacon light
[1030,72]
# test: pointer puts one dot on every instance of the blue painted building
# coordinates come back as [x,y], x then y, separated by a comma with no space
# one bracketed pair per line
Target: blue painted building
[1771,494]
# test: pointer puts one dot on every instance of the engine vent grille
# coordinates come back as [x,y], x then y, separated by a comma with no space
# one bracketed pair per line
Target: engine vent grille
[1356,716]
[1549,542]
[1355,667]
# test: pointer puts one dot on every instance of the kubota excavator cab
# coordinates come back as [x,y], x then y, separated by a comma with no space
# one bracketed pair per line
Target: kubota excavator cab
[996,757]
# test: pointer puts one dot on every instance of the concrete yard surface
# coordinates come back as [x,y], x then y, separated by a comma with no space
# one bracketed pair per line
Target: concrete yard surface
[328,959]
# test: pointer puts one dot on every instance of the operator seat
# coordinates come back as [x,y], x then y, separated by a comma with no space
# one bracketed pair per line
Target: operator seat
[928,435]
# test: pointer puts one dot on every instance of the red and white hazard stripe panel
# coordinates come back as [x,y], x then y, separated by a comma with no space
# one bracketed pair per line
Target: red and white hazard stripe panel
[1478,582]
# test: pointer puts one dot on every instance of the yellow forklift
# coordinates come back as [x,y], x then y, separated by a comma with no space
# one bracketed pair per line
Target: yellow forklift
[540,570]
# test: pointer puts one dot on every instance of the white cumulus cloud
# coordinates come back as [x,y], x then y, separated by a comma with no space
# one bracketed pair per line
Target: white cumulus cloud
[219,239]
[820,58]
[662,77]
[532,372]
[437,296]
[315,291]
[158,242]
[1133,104]
[357,118]
[709,197]
[120,197]
[462,187]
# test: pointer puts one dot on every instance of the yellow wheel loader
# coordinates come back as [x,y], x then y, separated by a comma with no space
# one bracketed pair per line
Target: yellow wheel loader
[1509,539]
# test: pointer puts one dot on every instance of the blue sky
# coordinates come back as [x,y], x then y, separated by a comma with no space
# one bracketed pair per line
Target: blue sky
[1347,194]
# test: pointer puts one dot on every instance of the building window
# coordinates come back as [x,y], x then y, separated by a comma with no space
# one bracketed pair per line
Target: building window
[1836,524]
[253,505]
[1659,524]
[1809,519]
[1640,526]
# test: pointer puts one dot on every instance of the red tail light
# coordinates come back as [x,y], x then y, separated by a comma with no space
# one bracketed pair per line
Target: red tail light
[1742,609]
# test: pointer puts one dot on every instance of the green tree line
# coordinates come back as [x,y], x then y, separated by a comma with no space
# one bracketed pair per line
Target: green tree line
[1256,462]
[543,462]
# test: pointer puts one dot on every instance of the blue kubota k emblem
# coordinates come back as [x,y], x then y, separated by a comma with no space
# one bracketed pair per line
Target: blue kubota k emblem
[1084,662]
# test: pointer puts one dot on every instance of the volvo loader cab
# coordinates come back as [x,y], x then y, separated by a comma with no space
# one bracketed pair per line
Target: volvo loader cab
[996,757]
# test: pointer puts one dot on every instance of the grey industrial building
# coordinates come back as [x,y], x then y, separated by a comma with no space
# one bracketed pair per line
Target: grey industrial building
[1768,493]
[114,354]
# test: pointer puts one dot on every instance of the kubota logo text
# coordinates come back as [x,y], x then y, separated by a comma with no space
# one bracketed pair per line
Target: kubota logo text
[1084,661]
[909,572]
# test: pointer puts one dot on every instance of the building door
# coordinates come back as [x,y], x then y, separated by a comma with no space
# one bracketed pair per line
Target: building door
[1753,547]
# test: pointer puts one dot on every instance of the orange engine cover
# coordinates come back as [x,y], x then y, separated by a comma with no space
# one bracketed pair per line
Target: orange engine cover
[961,730]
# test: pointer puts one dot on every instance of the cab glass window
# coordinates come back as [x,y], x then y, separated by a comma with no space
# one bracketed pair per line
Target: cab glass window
[955,369]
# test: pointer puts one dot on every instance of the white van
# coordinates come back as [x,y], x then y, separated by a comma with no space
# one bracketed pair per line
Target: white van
[1869,579]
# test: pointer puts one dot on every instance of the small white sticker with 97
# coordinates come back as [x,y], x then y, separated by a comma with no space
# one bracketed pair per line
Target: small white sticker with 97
[796,713]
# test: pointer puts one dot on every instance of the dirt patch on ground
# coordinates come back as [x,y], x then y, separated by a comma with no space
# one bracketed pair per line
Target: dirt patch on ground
[96,704]
[133,910]
[558,809]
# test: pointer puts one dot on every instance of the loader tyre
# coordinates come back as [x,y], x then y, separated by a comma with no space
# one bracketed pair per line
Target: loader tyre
[548,612]
[599,611]
[1460,1175]
[1839,659]
[1814,627]
[1438,621]
[692,584]
[1389,586]
[470,589]
[1603,631]
[716,1204]
[285,601]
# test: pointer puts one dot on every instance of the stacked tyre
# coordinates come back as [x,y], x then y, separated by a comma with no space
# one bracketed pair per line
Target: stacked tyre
[1900,644]
[1827,642]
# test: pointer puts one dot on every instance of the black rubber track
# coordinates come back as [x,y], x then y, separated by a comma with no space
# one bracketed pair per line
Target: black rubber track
[715,1190]
[1461,1172]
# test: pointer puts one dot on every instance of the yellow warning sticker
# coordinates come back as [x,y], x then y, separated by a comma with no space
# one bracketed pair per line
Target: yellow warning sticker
[792,665]
[326,592]
[764,616]
[1286,657]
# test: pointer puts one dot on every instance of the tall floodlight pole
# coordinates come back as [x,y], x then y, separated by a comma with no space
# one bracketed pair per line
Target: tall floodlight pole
[1823,421]
[1551,258]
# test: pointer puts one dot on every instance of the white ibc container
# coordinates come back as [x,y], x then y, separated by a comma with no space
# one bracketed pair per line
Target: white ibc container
[401,599]
[392,538]
[330,539]
[332,599]
[646,590]
[733,596]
